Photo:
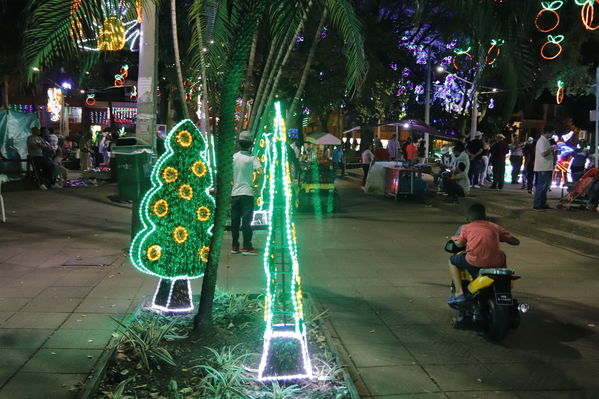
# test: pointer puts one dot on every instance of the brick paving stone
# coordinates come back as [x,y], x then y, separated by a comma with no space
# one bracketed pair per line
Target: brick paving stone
[92,321]
[373,355]
[392,380]
[42,386]
[12,304]
[36,320]
[104,305]
[64,292]
[12,360]
[78,339]
[66,360]
[23,338]
[43,304]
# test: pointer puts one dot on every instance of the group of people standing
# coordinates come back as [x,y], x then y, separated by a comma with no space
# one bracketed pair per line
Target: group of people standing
[46,153]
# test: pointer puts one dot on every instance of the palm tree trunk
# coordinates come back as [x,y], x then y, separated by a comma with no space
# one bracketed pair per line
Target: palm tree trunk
[204,125]
[263,81]
[304,79]
[248,78]
[225,145]
[184,110]
[275,85]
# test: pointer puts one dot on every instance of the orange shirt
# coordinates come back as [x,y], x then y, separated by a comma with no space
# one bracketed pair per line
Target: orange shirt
[482,240]
[411,150]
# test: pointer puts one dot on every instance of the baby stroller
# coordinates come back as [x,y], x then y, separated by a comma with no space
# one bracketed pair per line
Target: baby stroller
[580,193]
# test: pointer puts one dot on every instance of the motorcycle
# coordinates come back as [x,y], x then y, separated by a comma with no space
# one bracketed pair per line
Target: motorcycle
[489,300]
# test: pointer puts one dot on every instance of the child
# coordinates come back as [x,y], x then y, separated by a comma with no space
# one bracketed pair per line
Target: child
[481,239]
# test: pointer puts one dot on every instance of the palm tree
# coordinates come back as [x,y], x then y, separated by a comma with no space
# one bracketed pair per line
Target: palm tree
[182,97]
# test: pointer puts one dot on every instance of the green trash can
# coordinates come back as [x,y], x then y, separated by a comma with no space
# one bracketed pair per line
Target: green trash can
[133,167]
[133,170]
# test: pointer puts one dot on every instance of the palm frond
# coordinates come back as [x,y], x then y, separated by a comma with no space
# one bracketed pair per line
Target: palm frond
[345,20]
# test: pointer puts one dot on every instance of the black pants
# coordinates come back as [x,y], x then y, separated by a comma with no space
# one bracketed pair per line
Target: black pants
[498,175]
[45,170]
[516,167]
[366,168]
[452,188]
[576,172]
[530,175]
[242,213]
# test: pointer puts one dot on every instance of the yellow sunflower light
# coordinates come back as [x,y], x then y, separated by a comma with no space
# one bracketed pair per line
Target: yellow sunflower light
[154,252]
[203,213]
[160,208]
[180,234]
[204,253]
[184,139]
[186,192]
[199,169]
[170,174]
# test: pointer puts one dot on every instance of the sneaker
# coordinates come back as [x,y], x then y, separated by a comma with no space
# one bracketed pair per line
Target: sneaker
[246,251]
[235,250]
[476,186]
[43,187]
[456,299]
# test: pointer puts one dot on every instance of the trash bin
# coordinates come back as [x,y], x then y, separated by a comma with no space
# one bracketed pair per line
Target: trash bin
[133,170]
[133,167]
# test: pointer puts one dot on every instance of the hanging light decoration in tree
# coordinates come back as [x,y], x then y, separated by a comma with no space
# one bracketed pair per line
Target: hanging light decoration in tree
[548,8]
[552,43]
[587,13]
[121,77]
[90,99]
[285,347]
[494,51]
[177,216]
[460,56]
[561,91]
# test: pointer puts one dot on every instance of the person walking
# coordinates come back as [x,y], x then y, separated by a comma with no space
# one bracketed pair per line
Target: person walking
[242,195]
[338,160]
[475,151]
[499,151]
[528,176]
[367,159]
[543,167]
[516,153]
[392,147]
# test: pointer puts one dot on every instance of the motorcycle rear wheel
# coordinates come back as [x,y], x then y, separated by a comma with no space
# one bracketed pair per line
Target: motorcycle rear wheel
[498,320]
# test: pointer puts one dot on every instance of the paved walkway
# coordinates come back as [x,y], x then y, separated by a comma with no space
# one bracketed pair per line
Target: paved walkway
[378,267]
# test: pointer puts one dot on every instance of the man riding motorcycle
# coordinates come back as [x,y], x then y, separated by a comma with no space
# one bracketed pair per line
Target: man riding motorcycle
[481,239]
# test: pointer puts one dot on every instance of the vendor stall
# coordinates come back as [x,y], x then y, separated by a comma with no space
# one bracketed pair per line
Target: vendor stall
[396,179]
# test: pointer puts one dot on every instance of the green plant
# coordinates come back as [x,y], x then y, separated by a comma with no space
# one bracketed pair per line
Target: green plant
[279,392]
[229,357]
[119,391]
[145,337]
[223,385]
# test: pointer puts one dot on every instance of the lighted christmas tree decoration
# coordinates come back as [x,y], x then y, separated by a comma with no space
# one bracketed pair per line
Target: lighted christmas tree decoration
[559,95]
[548,8]
[587,13]
[285,347]
[261,181]
[555,43]
[54,103]
[177,216]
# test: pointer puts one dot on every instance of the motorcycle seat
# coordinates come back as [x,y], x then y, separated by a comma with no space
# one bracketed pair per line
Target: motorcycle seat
[497,271]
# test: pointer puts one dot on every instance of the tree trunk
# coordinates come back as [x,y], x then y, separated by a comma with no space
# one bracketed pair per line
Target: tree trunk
[184,110]
[304,79]
[246,88]
[238,58]
[262,85]
[275,85]
[204,125]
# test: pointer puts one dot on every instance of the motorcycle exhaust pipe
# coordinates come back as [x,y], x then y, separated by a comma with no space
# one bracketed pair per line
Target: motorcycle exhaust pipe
[523,308]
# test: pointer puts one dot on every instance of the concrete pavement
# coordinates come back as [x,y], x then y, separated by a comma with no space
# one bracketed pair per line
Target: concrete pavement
[378,267]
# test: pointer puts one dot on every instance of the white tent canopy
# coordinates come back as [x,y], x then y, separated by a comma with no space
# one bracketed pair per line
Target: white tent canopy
[322,138]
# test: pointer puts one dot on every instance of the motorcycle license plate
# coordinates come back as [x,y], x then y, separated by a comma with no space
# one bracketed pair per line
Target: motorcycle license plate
[504,299]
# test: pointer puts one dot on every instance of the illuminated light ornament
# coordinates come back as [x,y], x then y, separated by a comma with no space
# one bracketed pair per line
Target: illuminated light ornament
[203,214]
[133,95]
[559,95]
[494,51]
[551,8]
[285,348]
[90,100]
[180,234]
[203,253]
[186,192]
[466,56]
[199,169]
[160,208]
[170,174]
[184,139]
[552,41]
[54,103]
[119,29]
[167,245]
[121,77]
[261,182]
[587,13]
[492,103]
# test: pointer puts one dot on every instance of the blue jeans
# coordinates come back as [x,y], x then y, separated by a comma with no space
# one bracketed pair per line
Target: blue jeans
[542,185]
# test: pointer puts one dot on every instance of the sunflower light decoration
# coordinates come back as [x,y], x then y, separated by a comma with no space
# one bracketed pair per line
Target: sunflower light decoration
[120,28]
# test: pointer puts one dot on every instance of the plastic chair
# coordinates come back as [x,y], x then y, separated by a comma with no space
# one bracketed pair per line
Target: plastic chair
[3,178]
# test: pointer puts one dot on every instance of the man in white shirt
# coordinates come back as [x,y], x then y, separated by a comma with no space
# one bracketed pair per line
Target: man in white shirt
[242,195]
[367,159]
[543,168]
[458,184]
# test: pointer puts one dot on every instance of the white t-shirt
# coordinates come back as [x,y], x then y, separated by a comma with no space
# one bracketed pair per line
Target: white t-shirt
[543,163]
[463,180]
[244,166]
[367,157]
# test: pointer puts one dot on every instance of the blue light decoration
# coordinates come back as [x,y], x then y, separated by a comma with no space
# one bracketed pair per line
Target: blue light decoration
[285,348]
